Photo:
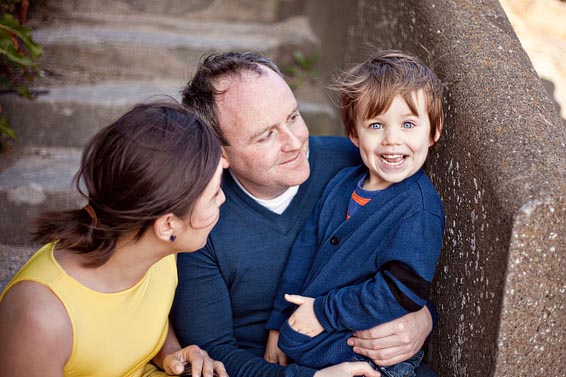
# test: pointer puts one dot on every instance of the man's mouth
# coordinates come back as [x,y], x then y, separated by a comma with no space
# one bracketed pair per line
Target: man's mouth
[291,160]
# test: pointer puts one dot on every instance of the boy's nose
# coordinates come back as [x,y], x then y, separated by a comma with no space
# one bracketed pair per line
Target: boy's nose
[392,136]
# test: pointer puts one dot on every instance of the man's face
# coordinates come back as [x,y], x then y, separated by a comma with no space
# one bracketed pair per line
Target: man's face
[268,139]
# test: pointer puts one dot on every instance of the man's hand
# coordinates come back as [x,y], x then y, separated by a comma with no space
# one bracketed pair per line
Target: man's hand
[350,369]
[201,363]
[273,353]
[304,320]
[395,341]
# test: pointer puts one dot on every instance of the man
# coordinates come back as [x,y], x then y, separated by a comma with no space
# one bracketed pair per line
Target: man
[276,175]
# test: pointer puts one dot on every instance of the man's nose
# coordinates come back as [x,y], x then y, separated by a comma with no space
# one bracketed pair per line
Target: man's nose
[290,140]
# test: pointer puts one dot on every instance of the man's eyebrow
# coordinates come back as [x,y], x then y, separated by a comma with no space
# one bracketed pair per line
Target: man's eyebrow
[260,132]
[267,128]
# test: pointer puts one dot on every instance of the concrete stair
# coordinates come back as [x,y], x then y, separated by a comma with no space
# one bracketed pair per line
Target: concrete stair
[100,58]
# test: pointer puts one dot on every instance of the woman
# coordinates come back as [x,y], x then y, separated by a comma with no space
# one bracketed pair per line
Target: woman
[94,301]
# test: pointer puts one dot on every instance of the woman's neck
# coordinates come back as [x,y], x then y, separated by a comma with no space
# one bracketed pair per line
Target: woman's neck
[130,261]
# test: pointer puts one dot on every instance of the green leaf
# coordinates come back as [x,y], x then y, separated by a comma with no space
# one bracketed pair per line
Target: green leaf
[6,129]
[15,57]
[10,24]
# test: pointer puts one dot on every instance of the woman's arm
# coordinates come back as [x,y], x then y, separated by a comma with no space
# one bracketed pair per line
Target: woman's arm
[36,332]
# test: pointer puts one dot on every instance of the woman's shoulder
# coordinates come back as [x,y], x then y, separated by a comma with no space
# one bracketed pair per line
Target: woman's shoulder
[31,315]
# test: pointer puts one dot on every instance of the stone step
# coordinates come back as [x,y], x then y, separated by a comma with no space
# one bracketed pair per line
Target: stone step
[40,179]
[90,47]
[242,10]
[69,116]
[12,257]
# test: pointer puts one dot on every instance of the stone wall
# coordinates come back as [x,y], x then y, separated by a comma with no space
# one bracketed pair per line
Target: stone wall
[501,170]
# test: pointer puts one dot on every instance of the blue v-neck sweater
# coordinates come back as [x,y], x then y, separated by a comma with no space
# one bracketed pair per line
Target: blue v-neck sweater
[226,290]
[370,269]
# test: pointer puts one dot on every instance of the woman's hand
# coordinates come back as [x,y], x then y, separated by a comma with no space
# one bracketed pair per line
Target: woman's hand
[201,363]
[395,341]
[303,319]
[349,369]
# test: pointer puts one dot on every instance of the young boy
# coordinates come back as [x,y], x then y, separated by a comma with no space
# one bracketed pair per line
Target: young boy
[369,252]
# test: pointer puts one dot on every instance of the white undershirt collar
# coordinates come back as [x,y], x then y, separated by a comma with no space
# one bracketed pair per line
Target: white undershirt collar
[278,204]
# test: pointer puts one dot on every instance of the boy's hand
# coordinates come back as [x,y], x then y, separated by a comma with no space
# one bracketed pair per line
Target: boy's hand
[273,353]
[304,320]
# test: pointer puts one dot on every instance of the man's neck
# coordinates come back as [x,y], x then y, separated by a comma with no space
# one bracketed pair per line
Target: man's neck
[277,203]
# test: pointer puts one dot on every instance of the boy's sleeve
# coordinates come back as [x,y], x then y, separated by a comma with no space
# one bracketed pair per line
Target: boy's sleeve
[401,286]
[433,312]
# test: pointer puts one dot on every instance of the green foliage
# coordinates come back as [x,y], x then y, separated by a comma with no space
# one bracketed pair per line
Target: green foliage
[18,55]
[302,69]
[18,58]
[5,128]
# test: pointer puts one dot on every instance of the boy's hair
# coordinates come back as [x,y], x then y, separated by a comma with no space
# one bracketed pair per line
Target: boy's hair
[200,94]
[377,81]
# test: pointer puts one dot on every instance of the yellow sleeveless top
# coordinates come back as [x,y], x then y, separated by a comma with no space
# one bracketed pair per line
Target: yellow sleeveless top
[114,334]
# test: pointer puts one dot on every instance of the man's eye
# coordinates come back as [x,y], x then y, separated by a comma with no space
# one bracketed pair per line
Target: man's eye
[376,126]
[268,136]
[408,125]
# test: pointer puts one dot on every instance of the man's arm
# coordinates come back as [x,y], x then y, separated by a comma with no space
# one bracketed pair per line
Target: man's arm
[395,341]
[202,315]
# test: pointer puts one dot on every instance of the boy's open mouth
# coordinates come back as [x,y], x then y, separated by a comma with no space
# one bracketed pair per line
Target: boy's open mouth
[392,159]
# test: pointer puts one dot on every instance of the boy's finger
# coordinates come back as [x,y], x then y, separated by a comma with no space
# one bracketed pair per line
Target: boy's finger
[295,299]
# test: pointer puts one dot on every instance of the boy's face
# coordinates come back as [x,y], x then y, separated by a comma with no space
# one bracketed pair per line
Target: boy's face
[394,145]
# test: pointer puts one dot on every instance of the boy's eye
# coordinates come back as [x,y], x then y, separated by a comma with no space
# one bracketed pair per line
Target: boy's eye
[376,126]
[408,125]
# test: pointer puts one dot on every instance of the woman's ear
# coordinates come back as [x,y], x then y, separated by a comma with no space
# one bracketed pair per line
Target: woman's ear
[164,227]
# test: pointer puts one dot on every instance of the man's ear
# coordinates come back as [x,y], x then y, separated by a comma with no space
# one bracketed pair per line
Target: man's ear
[164,226]
[354,138]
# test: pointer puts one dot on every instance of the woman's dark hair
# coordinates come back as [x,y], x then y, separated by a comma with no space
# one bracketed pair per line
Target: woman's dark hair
[157,158]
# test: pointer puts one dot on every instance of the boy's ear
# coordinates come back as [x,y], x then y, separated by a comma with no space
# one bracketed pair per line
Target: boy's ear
[164,226]
[437,133]
[354,138]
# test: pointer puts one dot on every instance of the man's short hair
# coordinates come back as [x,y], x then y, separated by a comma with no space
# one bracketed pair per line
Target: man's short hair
[200,94]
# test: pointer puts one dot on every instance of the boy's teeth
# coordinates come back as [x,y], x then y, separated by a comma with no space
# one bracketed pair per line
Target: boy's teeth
[392,159]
